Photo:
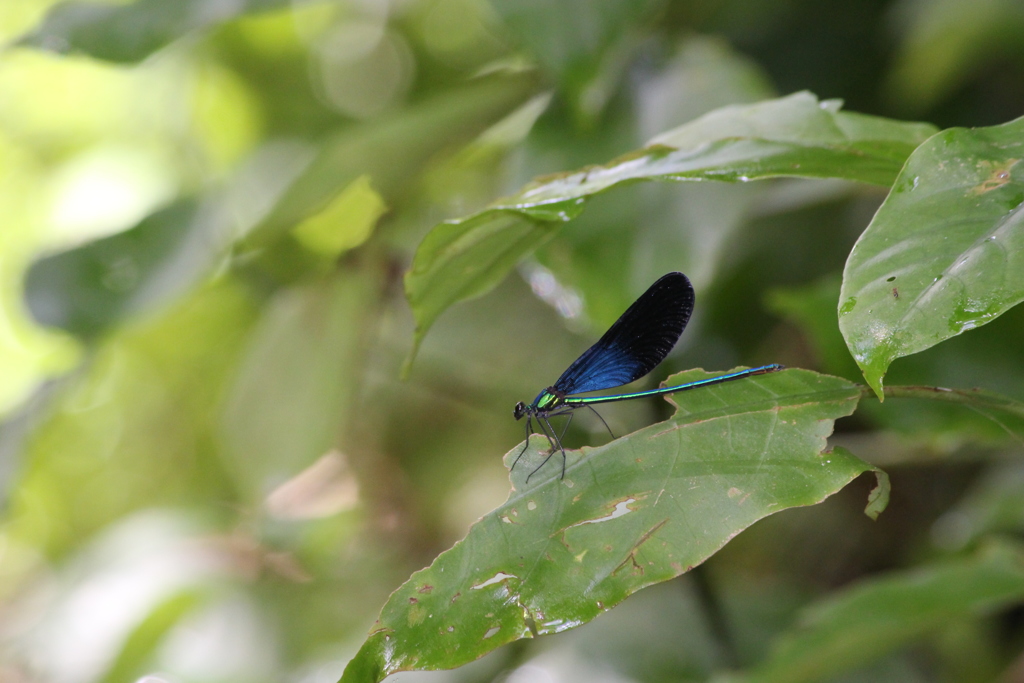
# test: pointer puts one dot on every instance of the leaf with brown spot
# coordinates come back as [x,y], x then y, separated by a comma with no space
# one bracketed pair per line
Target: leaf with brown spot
[945,251]
[766,436]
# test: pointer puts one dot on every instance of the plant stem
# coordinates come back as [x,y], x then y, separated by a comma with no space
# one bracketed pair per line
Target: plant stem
[973,398]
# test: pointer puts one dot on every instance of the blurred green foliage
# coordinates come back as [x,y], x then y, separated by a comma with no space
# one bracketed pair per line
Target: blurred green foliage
[210,468]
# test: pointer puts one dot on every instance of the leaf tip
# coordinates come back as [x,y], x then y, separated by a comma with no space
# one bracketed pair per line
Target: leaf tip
[365,667]
[873,371]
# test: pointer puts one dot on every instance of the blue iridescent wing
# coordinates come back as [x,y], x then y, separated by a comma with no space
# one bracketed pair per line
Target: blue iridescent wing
[637,342]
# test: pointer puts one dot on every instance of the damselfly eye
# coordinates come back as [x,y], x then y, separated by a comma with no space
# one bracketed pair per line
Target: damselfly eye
[520,410]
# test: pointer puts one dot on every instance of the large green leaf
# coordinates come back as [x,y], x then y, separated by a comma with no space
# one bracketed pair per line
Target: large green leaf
[791,136]
[133,31]
[945,252]
[640,510]
[876,617]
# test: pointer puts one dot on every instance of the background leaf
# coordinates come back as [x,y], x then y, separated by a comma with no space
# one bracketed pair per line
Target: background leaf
[88,289]
[130,32]
[640,510]
[945,252]
[944,43]
[330,321]
[588,62]
[394,149]
[345,223]
[866,622]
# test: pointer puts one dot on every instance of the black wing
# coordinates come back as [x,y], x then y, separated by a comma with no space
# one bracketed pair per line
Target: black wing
[637,342]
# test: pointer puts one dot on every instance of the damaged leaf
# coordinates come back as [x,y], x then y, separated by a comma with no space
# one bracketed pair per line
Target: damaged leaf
[640,510]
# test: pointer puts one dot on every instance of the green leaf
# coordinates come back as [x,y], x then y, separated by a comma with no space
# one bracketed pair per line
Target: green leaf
[131,32]
[791,136]
[147,636]
[158,385]
[461,260]
[798,136]
[640,510]
[345,223]
[872,619]
[794,136]
[87,290]
[945,252]
[298,378]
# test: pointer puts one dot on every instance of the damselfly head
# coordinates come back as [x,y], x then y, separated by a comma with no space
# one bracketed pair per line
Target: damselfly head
[520,410]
